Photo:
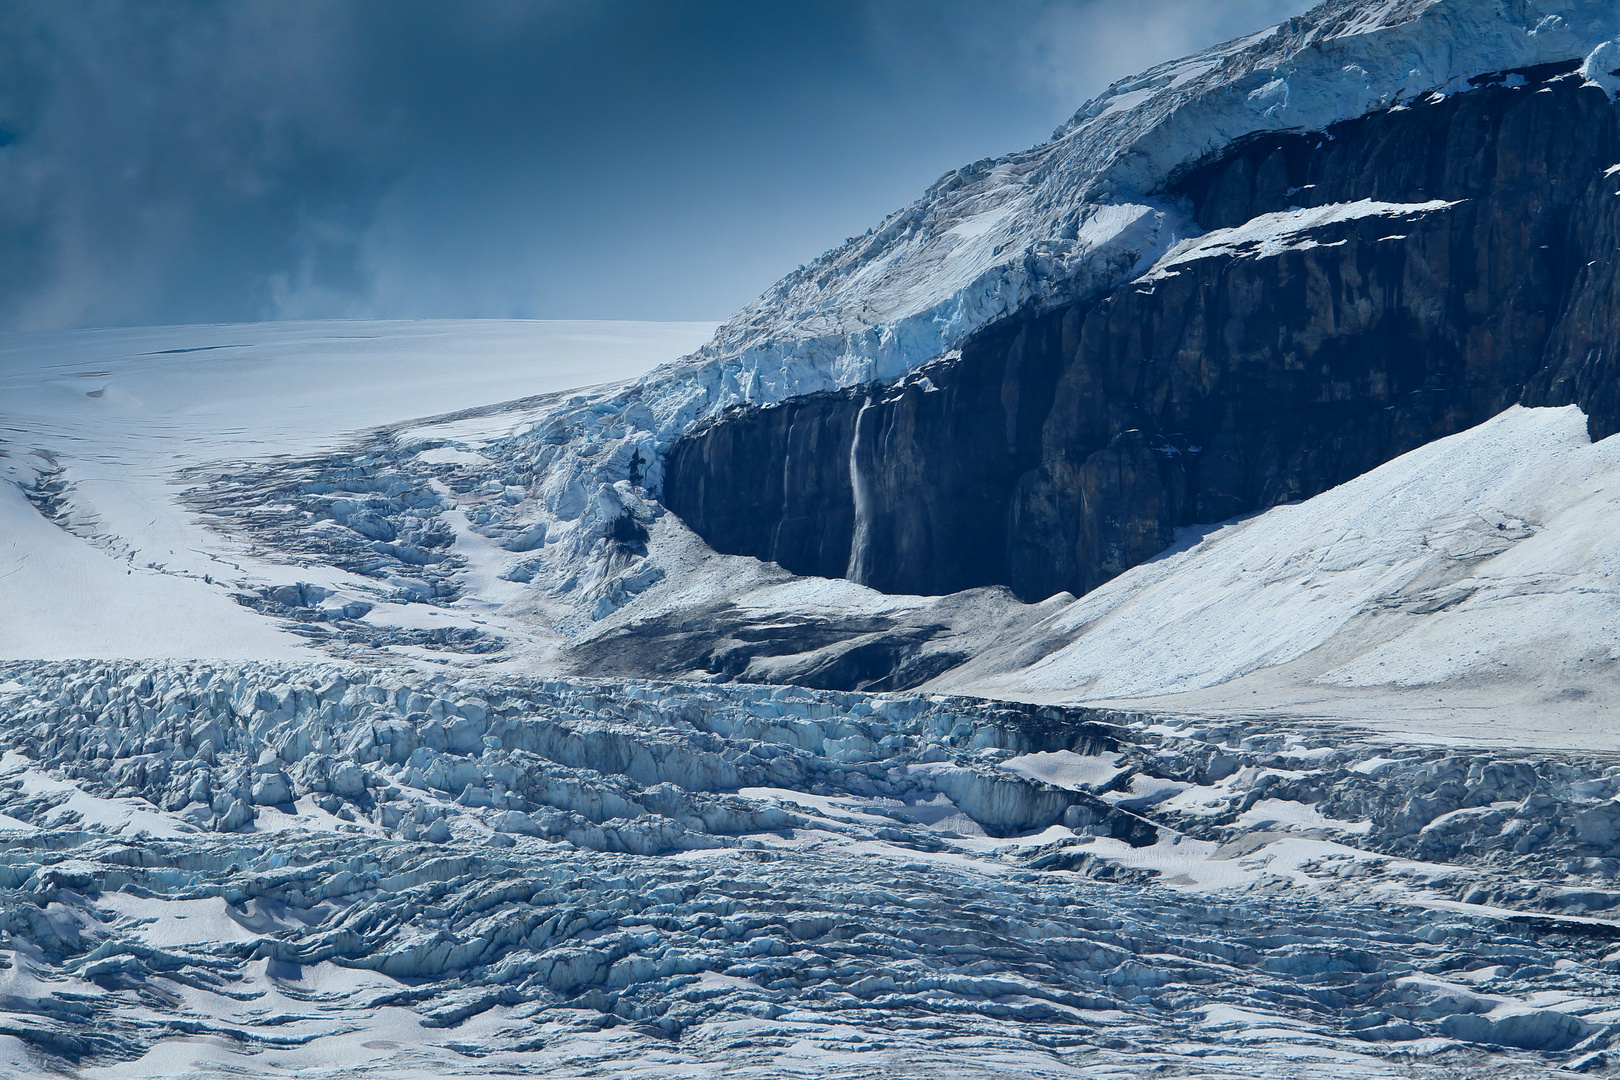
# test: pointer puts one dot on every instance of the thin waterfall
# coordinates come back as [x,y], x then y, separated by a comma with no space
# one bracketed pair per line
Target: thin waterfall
[857,569]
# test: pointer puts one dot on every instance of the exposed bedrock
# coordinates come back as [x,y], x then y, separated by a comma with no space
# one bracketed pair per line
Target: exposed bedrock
[1292,347]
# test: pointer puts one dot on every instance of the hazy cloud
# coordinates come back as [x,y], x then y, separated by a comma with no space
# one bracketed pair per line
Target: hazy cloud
[1065,51]
[214,160]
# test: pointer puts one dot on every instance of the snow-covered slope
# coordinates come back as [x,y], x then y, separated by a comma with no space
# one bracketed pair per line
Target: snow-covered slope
[1468,582]
[63,597]
[97,425]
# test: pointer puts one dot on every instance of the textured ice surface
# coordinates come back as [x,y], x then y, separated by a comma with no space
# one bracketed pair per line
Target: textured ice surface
[319,870]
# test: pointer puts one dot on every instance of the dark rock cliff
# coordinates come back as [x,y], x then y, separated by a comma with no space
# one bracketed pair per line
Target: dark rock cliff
[1064,447]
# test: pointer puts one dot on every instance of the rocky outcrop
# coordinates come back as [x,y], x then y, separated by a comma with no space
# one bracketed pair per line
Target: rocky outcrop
[1360,291]
[825,649]
[936,458]
[1583,357]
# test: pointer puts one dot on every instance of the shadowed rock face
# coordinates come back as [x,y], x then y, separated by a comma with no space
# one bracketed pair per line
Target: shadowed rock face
[1257,367]
[938,456]
[1583,357]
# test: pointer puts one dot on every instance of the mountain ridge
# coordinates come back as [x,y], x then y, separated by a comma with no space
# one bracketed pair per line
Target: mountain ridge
[1020,234]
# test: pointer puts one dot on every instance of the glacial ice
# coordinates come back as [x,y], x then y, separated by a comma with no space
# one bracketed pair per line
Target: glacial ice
[109,561]
[306,868]
[434,856]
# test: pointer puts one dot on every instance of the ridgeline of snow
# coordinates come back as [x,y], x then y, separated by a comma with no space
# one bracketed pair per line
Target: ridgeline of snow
[1270,234]
[1073,217]
[1079,213]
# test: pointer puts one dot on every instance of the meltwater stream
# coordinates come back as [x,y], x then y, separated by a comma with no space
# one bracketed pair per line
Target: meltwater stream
[860,538]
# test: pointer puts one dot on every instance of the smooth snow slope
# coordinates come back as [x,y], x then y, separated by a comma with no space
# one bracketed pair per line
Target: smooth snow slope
[1476,572]
[184,394]
[64,597]
[116,413]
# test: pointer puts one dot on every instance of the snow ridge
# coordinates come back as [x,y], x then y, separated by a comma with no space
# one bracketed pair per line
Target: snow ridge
[1073,215]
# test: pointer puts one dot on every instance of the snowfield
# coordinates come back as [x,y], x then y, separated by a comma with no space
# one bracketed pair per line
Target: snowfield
[116,415]
[1468,581]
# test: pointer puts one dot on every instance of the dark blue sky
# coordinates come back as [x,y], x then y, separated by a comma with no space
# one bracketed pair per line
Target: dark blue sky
[190,161]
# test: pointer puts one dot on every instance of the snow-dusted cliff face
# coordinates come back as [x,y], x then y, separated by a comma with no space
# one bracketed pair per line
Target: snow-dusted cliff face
[1080,213]
[1070,219]
[1076,214]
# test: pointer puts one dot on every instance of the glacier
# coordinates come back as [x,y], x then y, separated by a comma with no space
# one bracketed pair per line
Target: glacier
[430,861]
[309,870]
[364,713]
[99,424]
